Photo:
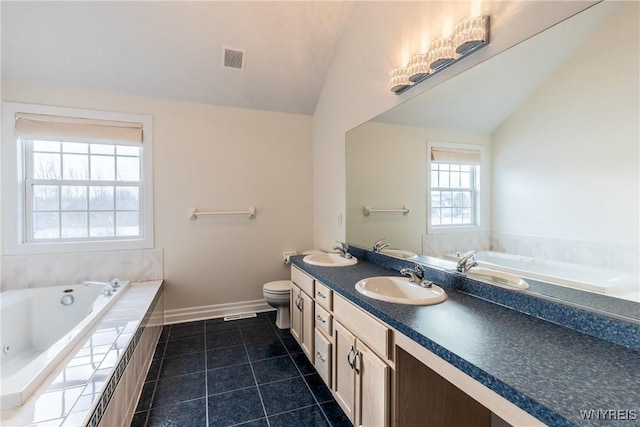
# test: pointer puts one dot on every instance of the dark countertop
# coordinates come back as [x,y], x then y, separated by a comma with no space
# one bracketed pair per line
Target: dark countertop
[550,371]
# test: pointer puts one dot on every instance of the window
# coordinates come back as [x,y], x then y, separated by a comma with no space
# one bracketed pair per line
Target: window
[82,190]
[84,180]
[454,202]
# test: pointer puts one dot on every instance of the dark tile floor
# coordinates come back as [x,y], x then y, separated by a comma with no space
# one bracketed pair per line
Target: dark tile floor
[244,372]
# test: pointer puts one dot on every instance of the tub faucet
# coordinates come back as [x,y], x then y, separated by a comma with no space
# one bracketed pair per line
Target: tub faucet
[108,286]
[467,262]
[343,248]
[380,245]
[416,276]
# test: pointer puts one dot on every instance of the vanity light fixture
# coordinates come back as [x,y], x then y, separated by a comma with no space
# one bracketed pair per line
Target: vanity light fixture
[418,67]
[468,36]
[471,34]
[399,80]
[441,53]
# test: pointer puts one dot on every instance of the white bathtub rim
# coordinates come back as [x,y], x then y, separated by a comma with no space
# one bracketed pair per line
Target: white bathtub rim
[619,283]
[17,388]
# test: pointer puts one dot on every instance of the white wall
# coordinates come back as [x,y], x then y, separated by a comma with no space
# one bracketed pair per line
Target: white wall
[216,158]
[387,169]
[381,36]
[581,156]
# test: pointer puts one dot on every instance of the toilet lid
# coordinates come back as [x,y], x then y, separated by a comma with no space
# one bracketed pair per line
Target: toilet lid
[279,286]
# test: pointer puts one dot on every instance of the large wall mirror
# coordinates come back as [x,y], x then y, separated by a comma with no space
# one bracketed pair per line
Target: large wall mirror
[558,120]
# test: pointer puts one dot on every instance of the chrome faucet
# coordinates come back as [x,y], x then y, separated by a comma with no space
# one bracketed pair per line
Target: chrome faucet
[416,276]
[467,262]
[343,248]
[109,287]
[380,245]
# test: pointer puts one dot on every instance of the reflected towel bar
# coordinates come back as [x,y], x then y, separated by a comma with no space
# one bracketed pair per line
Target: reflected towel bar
[251,213]
[368,210]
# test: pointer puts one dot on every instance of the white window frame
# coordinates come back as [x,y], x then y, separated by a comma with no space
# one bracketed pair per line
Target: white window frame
[14,203]
[482,192]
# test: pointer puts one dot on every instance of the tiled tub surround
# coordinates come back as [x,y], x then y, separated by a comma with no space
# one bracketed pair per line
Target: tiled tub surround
[100,379]
[549,370]
[218,373]
[34,271]
[594,254]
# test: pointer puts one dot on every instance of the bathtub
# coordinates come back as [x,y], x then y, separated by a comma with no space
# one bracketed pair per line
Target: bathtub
[608,282]
[39,327]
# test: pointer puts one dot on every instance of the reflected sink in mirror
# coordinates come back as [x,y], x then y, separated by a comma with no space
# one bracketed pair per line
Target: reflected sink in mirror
[400,290]
[498,278]
[329,260]
[399,253]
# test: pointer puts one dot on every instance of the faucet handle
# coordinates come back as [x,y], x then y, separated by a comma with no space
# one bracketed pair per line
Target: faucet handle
[419,269]
[343,245]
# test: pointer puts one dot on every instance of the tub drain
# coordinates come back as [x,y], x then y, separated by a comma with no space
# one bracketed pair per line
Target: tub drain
[6,349]
[67,300]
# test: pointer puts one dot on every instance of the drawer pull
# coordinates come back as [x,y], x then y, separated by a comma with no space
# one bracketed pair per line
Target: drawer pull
[321,356]
[299,302]
[320,318]
[321,295]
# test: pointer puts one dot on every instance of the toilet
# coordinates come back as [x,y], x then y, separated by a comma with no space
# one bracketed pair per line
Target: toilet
[277,295]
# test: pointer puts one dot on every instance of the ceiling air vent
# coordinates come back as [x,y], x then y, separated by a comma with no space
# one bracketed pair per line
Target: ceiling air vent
[233,57]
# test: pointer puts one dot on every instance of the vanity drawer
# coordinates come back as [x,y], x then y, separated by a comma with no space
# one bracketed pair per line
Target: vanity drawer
[322,360]
[376,335]
[324,296]
[323,320]
[303,281]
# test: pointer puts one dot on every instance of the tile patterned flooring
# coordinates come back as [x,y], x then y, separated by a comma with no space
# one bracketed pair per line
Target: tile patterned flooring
[239,373]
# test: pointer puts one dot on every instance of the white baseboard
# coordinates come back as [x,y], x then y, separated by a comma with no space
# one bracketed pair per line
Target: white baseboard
[181,315]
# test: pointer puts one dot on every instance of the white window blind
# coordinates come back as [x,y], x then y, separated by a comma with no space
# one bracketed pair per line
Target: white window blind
[455,155]
[42,125]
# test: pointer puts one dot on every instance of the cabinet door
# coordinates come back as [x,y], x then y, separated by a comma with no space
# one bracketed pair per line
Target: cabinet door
[295,308]
[343,387]
[372,388]
[308,323]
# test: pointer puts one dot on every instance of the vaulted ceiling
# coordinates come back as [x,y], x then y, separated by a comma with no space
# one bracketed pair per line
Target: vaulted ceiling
[172,50]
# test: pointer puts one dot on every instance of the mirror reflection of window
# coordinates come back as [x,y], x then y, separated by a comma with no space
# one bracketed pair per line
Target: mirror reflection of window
[453,186]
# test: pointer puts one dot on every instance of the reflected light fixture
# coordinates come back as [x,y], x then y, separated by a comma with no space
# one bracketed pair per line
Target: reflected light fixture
[468,36]
[399,80]
[418,67]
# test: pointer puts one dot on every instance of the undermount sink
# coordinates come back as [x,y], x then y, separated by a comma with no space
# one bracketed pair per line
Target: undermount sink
[498,278]
[400,290]
[329,260]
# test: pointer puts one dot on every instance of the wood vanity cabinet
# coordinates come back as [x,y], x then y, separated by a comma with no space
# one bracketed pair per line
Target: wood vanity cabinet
[301,311]
[380,377]
[361,364]
[361,380]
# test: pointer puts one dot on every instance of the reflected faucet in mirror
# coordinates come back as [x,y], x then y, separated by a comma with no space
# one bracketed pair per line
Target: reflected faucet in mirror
[380,245]
[467,262]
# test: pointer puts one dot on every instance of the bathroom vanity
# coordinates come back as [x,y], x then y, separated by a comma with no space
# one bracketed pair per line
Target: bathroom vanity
[465,361]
